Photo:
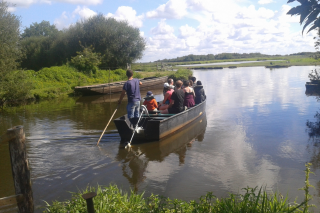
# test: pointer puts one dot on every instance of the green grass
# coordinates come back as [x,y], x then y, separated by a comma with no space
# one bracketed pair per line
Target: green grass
[60,81]
[293,61]
[113,199]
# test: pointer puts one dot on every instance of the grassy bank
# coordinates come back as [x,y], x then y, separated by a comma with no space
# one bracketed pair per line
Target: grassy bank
[60,80]
[113,199]
[287,60]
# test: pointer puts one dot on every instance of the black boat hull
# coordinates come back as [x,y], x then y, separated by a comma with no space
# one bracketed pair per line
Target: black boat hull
[158,127]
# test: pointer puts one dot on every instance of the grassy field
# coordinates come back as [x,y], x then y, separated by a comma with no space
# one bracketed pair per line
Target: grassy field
[60,81]
[287,60]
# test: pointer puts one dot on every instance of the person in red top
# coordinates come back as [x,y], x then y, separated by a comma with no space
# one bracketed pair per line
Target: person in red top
[150,102]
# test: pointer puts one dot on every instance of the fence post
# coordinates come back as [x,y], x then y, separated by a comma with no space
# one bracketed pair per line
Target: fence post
[88,197]
[20,168]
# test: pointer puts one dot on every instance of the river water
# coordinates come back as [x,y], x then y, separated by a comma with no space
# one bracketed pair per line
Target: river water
[253,133]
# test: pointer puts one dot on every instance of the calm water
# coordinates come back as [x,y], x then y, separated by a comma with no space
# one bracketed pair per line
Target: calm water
[254,133]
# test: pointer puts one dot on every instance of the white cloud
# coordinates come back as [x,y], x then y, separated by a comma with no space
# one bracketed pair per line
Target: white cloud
[162,28]
[125,13]
[84,12]
[66,19]
[63,21]
[173,9]
[27,3]
[265,1]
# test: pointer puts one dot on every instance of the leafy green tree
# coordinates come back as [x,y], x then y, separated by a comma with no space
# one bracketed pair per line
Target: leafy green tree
[86,61]
[117,41]
[308,10]
[9,40]
[13,86]
[40,29]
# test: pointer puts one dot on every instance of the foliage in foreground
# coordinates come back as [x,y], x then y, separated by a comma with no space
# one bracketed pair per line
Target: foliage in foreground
[113,199]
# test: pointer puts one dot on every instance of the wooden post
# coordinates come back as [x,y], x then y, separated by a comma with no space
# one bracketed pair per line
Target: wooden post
[88,197]
[20,168]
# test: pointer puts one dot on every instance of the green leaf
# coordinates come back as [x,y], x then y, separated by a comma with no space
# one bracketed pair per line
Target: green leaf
[311,18]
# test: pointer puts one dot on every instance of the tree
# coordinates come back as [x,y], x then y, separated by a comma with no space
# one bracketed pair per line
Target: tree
[86,61]
[12,83]
[117,41]
[9,40]
[42,29]
[308,10]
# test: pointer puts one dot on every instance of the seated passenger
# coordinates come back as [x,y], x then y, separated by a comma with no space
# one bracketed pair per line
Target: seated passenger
[193,79]
[150,102]
[189,95]
[177,98]
[199,92]
[165,88]
[167,98]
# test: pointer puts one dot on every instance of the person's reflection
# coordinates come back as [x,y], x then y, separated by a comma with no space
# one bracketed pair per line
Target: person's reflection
[133,166]
[134,162]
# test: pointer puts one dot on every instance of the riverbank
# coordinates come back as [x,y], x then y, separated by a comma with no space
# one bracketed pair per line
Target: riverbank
[282,61]
[60,81]
[113,199]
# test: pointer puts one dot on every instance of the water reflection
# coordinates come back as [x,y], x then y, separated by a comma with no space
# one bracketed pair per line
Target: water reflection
[254,134]
[135,161]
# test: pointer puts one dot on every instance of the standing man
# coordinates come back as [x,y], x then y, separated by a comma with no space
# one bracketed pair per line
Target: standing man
[131,87]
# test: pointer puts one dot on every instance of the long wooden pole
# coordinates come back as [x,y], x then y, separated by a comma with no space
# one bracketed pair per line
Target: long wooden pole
[20,168]
[107,125]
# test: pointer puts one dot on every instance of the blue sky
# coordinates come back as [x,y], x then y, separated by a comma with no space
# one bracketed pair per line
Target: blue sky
[174,28]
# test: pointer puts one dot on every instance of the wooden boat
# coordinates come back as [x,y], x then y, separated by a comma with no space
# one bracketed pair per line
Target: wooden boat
[312,86]
[116,87]
[158,126]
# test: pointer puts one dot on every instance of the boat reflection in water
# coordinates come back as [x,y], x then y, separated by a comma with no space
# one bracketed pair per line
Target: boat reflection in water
[135,161]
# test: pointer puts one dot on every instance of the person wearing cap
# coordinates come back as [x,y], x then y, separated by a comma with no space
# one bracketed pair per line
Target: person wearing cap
[165,88]
[199,92]
[131,87]
[150,102]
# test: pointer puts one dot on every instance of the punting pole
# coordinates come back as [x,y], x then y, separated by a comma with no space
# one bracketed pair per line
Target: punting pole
[107,124]
[144,108]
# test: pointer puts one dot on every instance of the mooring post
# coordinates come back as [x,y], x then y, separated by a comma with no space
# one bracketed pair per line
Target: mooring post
[20,168]
[88,197]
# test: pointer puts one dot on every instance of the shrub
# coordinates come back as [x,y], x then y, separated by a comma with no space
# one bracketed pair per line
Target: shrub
[86,61]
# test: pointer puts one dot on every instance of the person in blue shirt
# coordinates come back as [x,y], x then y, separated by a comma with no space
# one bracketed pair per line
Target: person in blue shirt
[132,89]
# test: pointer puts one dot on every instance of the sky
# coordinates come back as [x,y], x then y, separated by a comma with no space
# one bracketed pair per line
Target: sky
[174,28]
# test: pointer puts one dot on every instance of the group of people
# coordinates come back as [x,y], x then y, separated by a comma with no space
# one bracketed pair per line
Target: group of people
[177,98]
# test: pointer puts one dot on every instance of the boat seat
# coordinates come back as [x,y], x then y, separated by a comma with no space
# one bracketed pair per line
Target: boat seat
[159,118]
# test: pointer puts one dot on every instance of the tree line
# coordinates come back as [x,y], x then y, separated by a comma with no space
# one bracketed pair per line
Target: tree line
[115,41]
[97,42]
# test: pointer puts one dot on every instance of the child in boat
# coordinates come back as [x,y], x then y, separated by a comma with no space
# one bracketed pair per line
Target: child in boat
[150,102]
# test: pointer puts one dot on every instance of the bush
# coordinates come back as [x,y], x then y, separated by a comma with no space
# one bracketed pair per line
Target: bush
[86,61]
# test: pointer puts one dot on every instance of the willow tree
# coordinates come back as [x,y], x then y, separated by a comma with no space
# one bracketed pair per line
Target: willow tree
[12,84]
[116,41]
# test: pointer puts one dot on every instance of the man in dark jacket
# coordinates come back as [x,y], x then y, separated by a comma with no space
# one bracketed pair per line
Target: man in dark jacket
[199,92]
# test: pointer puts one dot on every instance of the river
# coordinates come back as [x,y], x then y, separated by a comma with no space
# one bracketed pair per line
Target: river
[253,133]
